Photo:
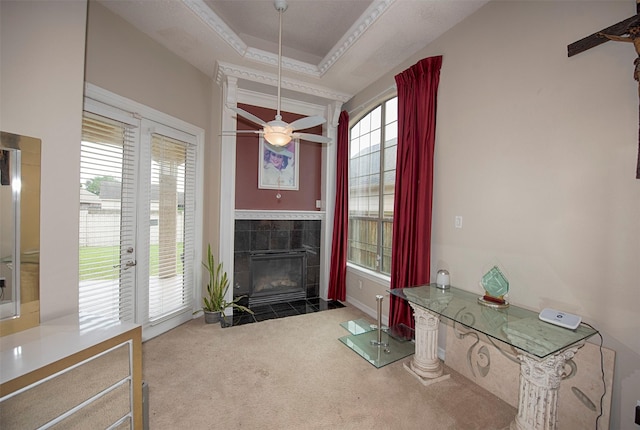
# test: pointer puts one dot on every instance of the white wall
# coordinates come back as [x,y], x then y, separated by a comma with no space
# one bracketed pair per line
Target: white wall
[129,63]
[41,80]
[537,152]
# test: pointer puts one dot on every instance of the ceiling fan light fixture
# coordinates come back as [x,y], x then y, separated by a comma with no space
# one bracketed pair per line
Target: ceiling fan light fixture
[277,136]
[278,132]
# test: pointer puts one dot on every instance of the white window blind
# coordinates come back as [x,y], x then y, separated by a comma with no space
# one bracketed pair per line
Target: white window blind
[125,272]
[172,226]
[107,218]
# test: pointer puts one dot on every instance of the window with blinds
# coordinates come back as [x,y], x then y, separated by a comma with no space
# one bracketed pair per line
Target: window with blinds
[107,218]
[171,213]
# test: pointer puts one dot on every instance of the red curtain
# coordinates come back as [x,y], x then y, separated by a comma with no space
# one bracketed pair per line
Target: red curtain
[338,273]
[411,249]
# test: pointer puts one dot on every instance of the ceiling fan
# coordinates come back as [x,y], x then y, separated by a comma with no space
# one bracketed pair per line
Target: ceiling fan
[277,132]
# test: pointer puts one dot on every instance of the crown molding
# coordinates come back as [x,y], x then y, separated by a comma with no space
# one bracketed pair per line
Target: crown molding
[366,20]
[200,8]
[288,105]
[225,70]
[265,57]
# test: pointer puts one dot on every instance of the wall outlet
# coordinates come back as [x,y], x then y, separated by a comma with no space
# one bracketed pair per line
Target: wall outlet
[458,221]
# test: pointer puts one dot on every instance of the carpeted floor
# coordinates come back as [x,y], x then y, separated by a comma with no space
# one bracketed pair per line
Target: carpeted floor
[294,373]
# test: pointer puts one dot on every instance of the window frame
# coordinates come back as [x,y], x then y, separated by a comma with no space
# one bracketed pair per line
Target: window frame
[380,271]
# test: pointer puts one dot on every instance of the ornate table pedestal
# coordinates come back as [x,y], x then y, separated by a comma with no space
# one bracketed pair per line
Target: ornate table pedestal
[538,393]
[539,378]
[425,364]
[542,348]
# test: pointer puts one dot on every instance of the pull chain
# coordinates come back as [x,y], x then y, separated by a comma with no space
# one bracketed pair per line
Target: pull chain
[278,195]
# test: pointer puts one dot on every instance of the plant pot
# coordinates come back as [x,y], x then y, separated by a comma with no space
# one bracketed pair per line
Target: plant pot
[212,317]
[226,321]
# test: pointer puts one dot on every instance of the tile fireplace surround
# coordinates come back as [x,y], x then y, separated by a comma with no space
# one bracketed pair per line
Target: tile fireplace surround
[253,235]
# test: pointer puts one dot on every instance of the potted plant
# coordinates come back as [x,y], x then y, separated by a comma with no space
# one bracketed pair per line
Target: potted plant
[214,303]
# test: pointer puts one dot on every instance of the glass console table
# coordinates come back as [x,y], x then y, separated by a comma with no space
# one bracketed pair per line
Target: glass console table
[541,348]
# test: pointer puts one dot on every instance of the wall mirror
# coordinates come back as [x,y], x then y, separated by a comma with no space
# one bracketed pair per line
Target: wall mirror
[19,232]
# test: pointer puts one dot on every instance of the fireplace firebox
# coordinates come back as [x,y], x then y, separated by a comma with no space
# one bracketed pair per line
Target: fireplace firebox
[277,276]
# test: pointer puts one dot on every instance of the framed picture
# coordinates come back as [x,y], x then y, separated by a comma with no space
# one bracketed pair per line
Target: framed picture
[278,166]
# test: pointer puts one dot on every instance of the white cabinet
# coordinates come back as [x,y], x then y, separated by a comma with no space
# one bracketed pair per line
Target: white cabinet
[71,373]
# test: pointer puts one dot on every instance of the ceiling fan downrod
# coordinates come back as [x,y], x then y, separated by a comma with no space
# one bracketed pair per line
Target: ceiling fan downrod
[281,7]
[278,132]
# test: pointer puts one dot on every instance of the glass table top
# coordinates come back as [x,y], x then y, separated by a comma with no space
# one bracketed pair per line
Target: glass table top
[514,326]
[397,342]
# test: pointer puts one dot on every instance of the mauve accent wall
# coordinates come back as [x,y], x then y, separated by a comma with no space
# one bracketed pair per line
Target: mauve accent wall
[248,195]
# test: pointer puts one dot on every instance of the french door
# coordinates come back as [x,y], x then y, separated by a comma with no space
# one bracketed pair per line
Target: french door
[108,178]
[167,208]
[137,220]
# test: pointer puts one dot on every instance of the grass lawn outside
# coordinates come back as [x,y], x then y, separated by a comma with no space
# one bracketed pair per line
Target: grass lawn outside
[103,262]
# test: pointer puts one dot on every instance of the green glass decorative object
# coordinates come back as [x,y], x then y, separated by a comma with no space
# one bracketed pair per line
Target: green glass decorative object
[495,286]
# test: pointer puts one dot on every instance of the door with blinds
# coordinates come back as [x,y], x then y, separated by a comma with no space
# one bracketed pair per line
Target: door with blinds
[137,220]
[108,178]
[168,208]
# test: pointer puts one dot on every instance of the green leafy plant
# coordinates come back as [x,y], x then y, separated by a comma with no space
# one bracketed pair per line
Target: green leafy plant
[217,288]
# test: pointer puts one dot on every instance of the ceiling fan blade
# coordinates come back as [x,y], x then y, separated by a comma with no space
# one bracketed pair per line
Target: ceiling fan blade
[307,122]
[233,132]
[251,117]
[311,137]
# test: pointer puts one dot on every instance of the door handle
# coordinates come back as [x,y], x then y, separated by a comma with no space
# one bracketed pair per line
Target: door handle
[129,264]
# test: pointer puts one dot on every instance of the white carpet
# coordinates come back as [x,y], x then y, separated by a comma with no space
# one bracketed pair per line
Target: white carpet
[293,373]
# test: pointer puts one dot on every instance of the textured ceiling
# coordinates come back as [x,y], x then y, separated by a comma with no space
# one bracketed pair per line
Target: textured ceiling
[343,45]
[305,32]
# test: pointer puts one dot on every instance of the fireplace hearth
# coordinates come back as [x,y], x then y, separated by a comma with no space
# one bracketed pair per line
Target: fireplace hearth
[277,276]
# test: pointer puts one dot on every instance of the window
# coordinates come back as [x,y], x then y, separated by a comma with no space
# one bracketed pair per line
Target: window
[372,177]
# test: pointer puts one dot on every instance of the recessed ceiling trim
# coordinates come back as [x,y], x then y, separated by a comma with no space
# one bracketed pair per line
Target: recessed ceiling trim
[201,9]
[211,19]
[365,21]
[287,63]
[239,72]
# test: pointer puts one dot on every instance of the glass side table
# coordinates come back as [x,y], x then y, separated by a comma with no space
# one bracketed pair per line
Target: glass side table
[541,348]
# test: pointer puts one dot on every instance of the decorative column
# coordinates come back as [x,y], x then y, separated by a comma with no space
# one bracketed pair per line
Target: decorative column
[539,385]
[425,364]
[224,153]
